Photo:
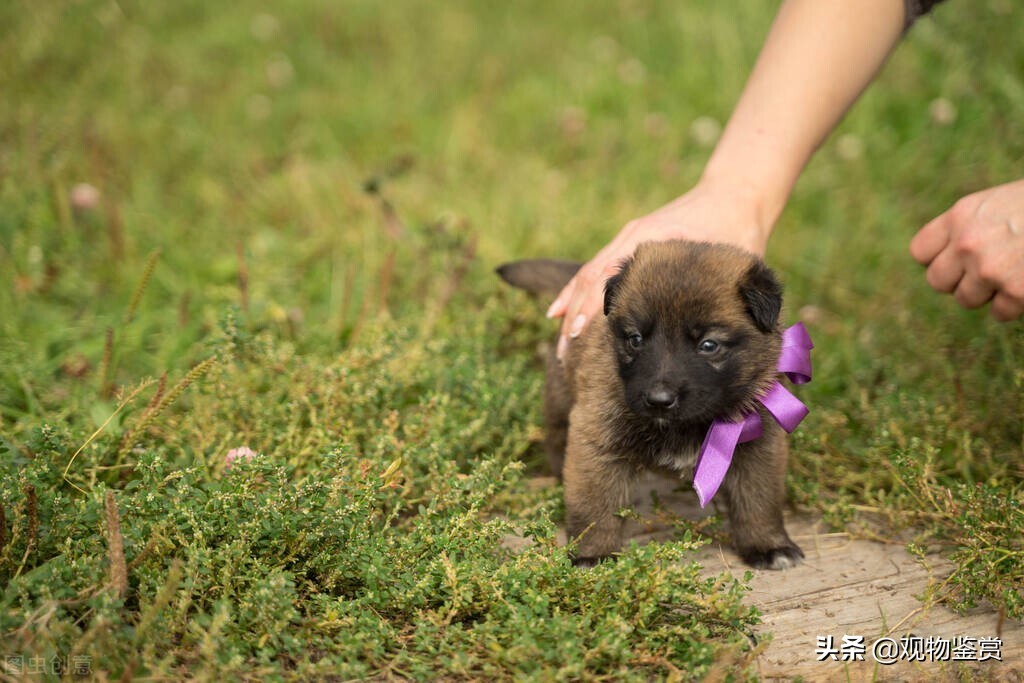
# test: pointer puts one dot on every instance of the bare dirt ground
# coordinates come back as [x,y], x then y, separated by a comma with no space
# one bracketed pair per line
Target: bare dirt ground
[852,591]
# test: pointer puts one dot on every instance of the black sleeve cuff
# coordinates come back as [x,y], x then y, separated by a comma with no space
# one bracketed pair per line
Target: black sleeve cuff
[915,9]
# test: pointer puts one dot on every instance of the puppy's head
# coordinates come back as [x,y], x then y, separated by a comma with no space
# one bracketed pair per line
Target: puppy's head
[694,328]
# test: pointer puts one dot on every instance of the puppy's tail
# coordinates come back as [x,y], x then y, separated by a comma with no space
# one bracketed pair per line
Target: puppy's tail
[539,276]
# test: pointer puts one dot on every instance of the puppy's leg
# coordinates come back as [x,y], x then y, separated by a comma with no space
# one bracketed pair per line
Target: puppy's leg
[754,489]
[596,489]
[554,443]
[557,404]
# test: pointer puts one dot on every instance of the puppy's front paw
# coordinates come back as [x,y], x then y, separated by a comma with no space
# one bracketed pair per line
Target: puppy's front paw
[783,557]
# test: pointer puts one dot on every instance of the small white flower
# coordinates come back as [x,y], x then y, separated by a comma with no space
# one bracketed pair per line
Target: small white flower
[280,71]
[705,131]
[943,111]
[849,147]
[810,314]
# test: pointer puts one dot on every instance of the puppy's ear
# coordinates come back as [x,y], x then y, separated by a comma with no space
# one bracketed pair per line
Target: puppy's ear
[762,294]
[538,276]
[611,286]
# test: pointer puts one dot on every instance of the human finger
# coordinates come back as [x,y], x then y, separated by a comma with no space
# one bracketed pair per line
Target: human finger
[561,302]
[930,240]
[585,303]
[574,317]
[973,292]
[945,271]
[572,327]
[1006,307]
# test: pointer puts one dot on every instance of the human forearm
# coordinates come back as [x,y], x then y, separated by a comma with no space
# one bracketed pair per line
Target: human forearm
[818,57]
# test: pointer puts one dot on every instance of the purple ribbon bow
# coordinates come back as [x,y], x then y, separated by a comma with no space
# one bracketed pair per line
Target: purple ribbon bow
[720,443]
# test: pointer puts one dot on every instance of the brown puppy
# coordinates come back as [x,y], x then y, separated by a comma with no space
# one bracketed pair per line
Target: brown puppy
[690,334]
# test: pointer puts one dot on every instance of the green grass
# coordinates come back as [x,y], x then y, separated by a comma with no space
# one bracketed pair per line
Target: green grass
[293,252]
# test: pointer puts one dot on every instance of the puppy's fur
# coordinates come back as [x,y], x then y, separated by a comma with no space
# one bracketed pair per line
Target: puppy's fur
[690,334]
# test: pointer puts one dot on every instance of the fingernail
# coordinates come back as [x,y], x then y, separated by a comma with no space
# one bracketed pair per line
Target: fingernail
[555,305]
[560,349]
[577,325]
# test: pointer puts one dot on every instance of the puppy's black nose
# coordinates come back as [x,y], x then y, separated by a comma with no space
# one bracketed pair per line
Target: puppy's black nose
[660,398]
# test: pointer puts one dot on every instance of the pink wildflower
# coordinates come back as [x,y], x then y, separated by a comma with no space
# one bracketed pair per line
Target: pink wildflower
[235,454]
[84,197]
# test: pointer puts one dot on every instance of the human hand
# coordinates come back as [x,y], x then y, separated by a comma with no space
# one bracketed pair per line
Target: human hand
[707,213]
[975,250]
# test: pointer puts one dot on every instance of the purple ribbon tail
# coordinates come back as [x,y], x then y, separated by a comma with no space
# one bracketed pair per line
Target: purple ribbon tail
[716,453]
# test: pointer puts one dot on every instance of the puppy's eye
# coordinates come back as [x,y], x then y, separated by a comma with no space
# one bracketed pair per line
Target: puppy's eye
[708,346]
[635,341]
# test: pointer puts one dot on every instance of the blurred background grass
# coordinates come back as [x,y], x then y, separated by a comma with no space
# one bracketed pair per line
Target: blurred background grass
[317,194]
